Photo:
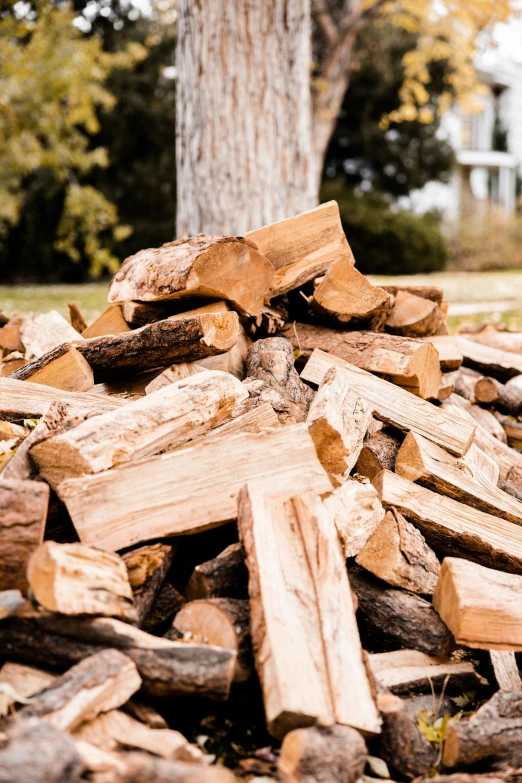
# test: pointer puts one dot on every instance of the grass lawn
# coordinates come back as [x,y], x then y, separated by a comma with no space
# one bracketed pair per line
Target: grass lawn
[474,297]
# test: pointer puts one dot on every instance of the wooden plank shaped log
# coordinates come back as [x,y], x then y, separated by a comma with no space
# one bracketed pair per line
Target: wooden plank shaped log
[322,754]
[159,421]
[398,554]
[338,421]
[160,344]
[44,332]
[400,615]
[396,406]
[111,321]
[142,767]
[413,316]
[34,752]
[495,337]
[21,465]
[505,669]
[409,363]
[481,606]
[505,399]
[356,511]
[75,579]
[451,527]
[225,576]
[147,568]
[302,616]
[204,266]
[345,296]
[432,292]
[194,489]
[427,464]
[22,399]
[501,365]
[62,367]
[97,684]
[76,318]
[23,511]
[379,452]
[412,671]
[302,247]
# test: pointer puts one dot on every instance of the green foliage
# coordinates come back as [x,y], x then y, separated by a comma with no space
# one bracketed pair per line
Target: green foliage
[387,241]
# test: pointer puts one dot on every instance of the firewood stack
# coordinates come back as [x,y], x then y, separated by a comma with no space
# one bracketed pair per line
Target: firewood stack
[258,467]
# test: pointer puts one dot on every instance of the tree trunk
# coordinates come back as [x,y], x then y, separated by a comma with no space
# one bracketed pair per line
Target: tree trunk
[243,103]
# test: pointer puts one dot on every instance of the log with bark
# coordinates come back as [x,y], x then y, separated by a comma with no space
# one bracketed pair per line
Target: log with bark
[147,568]
[501,365]
[505,399]
[414,316]
[23,512]
[62,368]
[144,768]
[356,512]
[22,399]
[494,336]
[411,671]
[225,576]
[379,452]
[432,292]
[322,754]
[35,752]
[167,604]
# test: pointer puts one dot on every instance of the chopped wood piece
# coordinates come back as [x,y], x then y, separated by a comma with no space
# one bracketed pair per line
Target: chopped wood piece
[214,267]
[301,247]
[303,598]
[255,420]
[10,602]
[144,768]
[505,669]
[411,671]
[429,465]
[225,576]
[464,384]
[505,399]
[161,344]
[167,604]
[345,296]
[501,365]
[397,553]
[22,399]
[11,363]
[514,475]
[159,421]
[322,754]
[447,385]
[99,765]
[379,452]
[432,292]
[479,605]
[268,322]
[75,579]
[511,489]
[145,713]
[223,622]
[25,680]
[192,490]
[356,511]
[34,752]
[143,313]
[396,406]
[451,527]
[97,684]
[338,421]
[413,316]
[147,568]
[495,337]
[76,318]
[409,363]
[480,461]
[21,465]
[212,307]
[513,429]
[177,372]
[408,619]
[233,360]
[62,368]
[111,321]
[23,511]
[10,336]
[45,332]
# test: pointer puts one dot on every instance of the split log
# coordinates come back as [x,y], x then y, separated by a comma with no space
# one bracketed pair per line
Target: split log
[432,292]
[142,313]
[413,316]
[76,318]
[412,364]
[34,752]
[356,511]
[424,462]
[145,713]
[450,356]
[192,491]
[223,622]
[514,476]
[302,597]
[21,465]
[301,247]
[178,372]
[379,452]
[447,385]
[396,406]
[220,306]
[225,576]
[451,527]
[465,381]
[256,419]
[410,671]
[268,322]
[501,365]
[513,429]
[97,684]
[479,605]
[495,337]
[75,579]
[160,344]
[214,267]
[408,619]
[167,604]
[111,321]
[11,601]
[23,511]
[62,368]
[10,335]
[144,768]
[397,553]
[505,399]
[233,360]
[346,297]
[11,363]
[322,754]
[25,680]
[44,332]
[505,669]
[147,569]
[22,399]
[338,420]
[159,421]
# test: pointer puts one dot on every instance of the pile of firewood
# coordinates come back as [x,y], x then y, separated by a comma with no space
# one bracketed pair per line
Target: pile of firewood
[258,472]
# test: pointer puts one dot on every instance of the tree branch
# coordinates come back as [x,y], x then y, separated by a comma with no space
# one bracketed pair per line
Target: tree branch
[325,22]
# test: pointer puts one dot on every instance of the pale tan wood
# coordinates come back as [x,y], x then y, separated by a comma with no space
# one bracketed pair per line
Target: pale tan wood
[255,420]
[492,336]
[479,460]
[159,421]
[10,335]
[356,512]
[515,383]
[378,452]
[490,361]
[111,321]
[44,332]
[145,768]
[203,266]
[464,383]
[173,374]
[429,465]
[23,513]
[21,465]
[23,399]
[413,316]
[62,368]
[24,680]
[301,247]
[451,527]
[11,602]
[11,363]
[338,420]
[76,318]
[447,385]
[406,671]
[100,765]
[396,406]
[194,488]
[432,292]
[482,607]
[506,670]
[233,360]
[220,306]
[503,398]
[397,553]
[75,579]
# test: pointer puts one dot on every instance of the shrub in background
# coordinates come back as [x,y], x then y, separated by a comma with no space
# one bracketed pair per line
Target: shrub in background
[486,238]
